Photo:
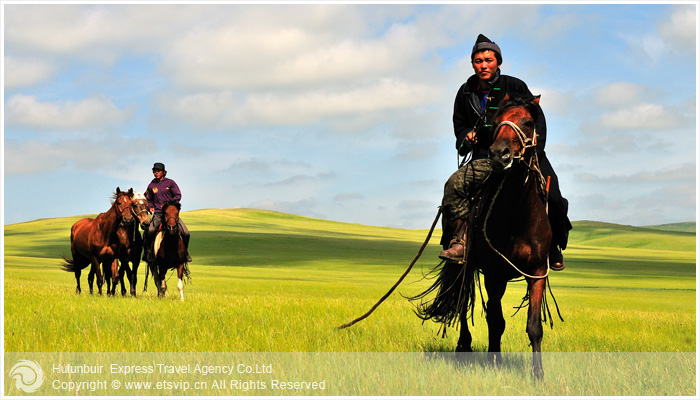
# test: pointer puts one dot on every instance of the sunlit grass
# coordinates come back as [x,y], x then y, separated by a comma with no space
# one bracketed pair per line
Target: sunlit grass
[266,282]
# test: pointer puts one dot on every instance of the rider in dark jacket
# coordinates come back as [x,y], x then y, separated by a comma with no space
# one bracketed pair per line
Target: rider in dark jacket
[475,106]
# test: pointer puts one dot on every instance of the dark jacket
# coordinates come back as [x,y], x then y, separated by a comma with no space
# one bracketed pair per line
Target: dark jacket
[468,115]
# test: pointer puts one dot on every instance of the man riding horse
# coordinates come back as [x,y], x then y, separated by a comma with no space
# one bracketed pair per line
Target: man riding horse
[475,106]
[160,191]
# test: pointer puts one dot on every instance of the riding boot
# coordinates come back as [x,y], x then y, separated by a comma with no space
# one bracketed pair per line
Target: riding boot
[455,252]
[556,259]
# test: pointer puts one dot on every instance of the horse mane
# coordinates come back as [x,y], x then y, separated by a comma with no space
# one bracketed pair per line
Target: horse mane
[518,100]
[169,203]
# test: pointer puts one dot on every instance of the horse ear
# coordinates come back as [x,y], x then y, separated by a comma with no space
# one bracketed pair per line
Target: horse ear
[118,191]
[536,100]
[506,98]
[131,192]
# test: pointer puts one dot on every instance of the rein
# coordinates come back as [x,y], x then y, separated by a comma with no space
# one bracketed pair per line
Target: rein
[420,251]
[488,214]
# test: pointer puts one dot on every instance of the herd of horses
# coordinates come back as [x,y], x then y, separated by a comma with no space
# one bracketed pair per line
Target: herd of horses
[509,238]
[113,240]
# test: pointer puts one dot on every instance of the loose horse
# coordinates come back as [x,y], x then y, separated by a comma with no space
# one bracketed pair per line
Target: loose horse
[94,241]
[131,243]
[171,254]
[509,237]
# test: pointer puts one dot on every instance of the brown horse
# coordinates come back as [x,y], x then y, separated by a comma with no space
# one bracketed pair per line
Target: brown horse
[171,253]
[94,241]
[509,238]
[131,243]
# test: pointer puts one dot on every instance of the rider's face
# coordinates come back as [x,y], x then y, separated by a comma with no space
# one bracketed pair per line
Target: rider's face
[158,174]
[485,64]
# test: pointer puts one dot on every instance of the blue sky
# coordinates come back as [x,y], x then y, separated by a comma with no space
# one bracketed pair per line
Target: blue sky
[340,112]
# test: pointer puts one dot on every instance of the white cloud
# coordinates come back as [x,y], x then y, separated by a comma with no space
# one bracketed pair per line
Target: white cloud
[26,72]
[283,52]
[620,94]
[98,112]
[98,33]
[684,172]
[642,116]
[227,109]
[112,158]
[680,30]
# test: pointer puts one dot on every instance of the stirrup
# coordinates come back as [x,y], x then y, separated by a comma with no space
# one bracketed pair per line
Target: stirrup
[464,255]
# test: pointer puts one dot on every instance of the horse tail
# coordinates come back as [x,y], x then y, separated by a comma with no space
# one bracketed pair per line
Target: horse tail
[69,265]
[454,289]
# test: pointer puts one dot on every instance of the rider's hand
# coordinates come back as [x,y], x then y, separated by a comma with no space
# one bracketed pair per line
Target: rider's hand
[470,140]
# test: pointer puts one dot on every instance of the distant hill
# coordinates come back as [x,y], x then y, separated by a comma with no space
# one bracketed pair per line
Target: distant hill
[662,237]
[678,227]
[247,227]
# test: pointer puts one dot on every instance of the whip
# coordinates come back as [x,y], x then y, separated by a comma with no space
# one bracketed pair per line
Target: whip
[374,307]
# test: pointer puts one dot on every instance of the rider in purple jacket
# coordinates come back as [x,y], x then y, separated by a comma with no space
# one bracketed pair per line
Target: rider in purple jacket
[161,190]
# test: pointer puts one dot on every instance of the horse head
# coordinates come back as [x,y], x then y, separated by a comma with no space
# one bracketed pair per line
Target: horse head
[515,131]
[122,205]
[171,216]
[139,208]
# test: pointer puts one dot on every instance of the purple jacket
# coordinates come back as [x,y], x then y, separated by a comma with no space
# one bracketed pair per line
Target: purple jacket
[160,192]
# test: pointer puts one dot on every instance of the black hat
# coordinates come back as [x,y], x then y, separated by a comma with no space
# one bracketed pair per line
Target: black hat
[159,166]
[484,43]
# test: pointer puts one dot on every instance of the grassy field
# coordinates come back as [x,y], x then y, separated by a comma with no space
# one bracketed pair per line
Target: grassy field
[271,282]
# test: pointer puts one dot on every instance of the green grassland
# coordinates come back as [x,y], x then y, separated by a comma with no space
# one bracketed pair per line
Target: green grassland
[271,282]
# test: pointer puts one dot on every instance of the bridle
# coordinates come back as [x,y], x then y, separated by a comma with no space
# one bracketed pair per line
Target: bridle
[136,214]
[525,142]
[120,210]
[167,219]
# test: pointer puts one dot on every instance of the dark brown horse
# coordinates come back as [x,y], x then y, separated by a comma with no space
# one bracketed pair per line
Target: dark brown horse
[131,243]
[94,241]
[509,238]
[171,252]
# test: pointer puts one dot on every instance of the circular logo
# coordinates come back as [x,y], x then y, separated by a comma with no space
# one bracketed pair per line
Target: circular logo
[28,376]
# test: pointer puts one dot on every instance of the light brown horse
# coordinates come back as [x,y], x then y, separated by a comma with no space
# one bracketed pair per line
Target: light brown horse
[95,242]
[509,238]
[171,254]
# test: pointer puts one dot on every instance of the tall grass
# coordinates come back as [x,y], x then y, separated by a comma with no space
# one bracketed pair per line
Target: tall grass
[270,282]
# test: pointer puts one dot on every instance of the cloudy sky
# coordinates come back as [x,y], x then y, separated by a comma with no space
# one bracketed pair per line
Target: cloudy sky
[340,112]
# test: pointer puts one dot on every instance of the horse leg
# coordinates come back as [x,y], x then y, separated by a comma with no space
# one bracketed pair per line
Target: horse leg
[464,344]
[163,286]
[107,274]
[180,284]
[124,270]
[77,279]
[534,324]
[494,316]
[100,279]
[115,274]
[91,279]
[134,276]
